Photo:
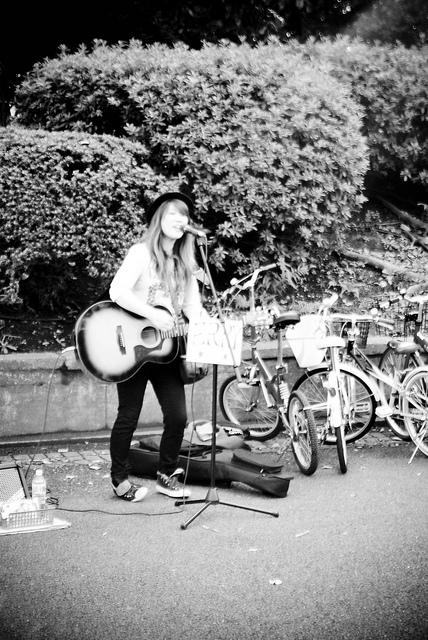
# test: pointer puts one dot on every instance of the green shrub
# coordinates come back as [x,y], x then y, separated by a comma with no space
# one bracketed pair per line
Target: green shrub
[391,84]
[69,206]
[81,91]
[269,144]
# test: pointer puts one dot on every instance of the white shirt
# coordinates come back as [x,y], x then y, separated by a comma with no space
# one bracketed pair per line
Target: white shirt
[137,274]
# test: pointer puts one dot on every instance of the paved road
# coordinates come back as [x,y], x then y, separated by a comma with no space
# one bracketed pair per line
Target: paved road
[347,558]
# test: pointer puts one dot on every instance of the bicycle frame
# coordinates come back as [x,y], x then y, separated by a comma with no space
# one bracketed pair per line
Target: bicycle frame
[274,386]
[270,383]
[391,386]
[373,373]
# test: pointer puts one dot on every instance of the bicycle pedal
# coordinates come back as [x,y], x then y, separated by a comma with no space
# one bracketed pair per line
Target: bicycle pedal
[383,412]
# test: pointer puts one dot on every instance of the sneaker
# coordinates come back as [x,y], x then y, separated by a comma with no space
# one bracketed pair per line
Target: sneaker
[130,492]
[169,485]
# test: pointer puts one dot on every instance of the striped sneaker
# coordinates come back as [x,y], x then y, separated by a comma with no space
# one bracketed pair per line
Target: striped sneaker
[130,492]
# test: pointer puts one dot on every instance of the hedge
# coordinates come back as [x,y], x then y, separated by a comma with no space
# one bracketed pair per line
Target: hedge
[390,82]
[70,204]
[269,144]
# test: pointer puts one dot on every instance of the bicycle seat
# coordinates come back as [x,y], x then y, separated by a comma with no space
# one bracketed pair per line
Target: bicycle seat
[286,319]
[403,347]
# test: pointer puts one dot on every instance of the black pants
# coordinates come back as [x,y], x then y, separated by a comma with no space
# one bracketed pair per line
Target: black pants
[169,390]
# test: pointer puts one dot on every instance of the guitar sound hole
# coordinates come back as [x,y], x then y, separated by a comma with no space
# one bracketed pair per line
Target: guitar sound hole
[150,337]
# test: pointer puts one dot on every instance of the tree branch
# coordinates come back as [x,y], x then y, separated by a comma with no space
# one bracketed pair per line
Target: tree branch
[402,215]
[378,263]
[423,242]
[417,288]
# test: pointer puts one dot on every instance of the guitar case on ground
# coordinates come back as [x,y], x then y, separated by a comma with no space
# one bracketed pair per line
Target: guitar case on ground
[258,470]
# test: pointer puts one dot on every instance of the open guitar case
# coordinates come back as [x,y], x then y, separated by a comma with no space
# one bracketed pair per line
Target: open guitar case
[234,462]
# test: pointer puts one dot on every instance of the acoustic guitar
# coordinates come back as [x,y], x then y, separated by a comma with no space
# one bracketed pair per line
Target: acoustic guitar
[113,344]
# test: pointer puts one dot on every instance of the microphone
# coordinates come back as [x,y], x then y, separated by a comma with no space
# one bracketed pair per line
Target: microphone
[195,232]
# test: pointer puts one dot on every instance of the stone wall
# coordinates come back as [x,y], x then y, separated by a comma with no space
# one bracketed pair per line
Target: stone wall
[49,393]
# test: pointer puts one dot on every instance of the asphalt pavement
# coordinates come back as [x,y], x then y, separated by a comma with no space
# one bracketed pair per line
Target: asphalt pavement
[346,558]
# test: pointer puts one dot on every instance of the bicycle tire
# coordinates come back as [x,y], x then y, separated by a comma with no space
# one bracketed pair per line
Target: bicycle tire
[415,409]
[362,412]
[342,452]
[244,404]
[389,363]
[304,438]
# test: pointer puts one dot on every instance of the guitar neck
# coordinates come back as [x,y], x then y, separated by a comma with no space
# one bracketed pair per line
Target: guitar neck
[176,332]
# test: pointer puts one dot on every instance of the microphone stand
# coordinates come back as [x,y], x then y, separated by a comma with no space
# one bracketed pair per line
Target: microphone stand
[212,497]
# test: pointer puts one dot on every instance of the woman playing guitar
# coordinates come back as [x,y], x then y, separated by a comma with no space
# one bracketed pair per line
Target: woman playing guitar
[156,281]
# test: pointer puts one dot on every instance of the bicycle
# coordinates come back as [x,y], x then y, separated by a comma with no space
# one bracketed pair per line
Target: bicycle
[400,357]
[401,405]
[339,395]
[358,396]
[259,399]
[415,409]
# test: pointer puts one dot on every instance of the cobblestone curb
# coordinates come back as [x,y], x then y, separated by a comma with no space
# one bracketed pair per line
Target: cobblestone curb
[61,456]
[80,454]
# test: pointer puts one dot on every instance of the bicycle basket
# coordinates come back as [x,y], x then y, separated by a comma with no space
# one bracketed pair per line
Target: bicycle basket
[410,317]
[304,338]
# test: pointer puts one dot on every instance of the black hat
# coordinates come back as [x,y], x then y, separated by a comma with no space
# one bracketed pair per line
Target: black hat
[170,195]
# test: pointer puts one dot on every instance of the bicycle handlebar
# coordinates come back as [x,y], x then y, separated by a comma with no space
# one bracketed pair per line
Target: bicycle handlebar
[251,278]
[327,303]
[416,299]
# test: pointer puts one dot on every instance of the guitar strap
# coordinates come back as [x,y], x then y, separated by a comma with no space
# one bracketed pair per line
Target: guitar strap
[182,343]
[171,289]
[190,372]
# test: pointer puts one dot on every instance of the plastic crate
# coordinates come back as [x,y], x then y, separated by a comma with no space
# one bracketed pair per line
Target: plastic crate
[28,519]
[304,338]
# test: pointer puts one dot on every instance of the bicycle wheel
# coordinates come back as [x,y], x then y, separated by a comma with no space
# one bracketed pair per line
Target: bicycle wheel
[359,408]
[244,404]
[415,409]
[390,363]
[342,452]
[304,439]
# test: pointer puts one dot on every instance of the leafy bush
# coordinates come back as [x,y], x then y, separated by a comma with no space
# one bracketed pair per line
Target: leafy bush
[391,84]
[269,144]
[81,91]
[69,206]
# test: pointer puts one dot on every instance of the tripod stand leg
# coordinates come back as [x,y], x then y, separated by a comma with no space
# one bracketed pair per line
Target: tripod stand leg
[275,514]
[195,515]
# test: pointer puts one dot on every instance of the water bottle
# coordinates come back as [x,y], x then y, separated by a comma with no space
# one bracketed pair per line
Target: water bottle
[38,488]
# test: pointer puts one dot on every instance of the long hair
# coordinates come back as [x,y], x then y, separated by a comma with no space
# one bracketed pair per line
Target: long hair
[183,251]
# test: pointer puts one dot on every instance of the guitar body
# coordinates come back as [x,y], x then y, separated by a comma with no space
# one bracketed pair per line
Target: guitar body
[113,344]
